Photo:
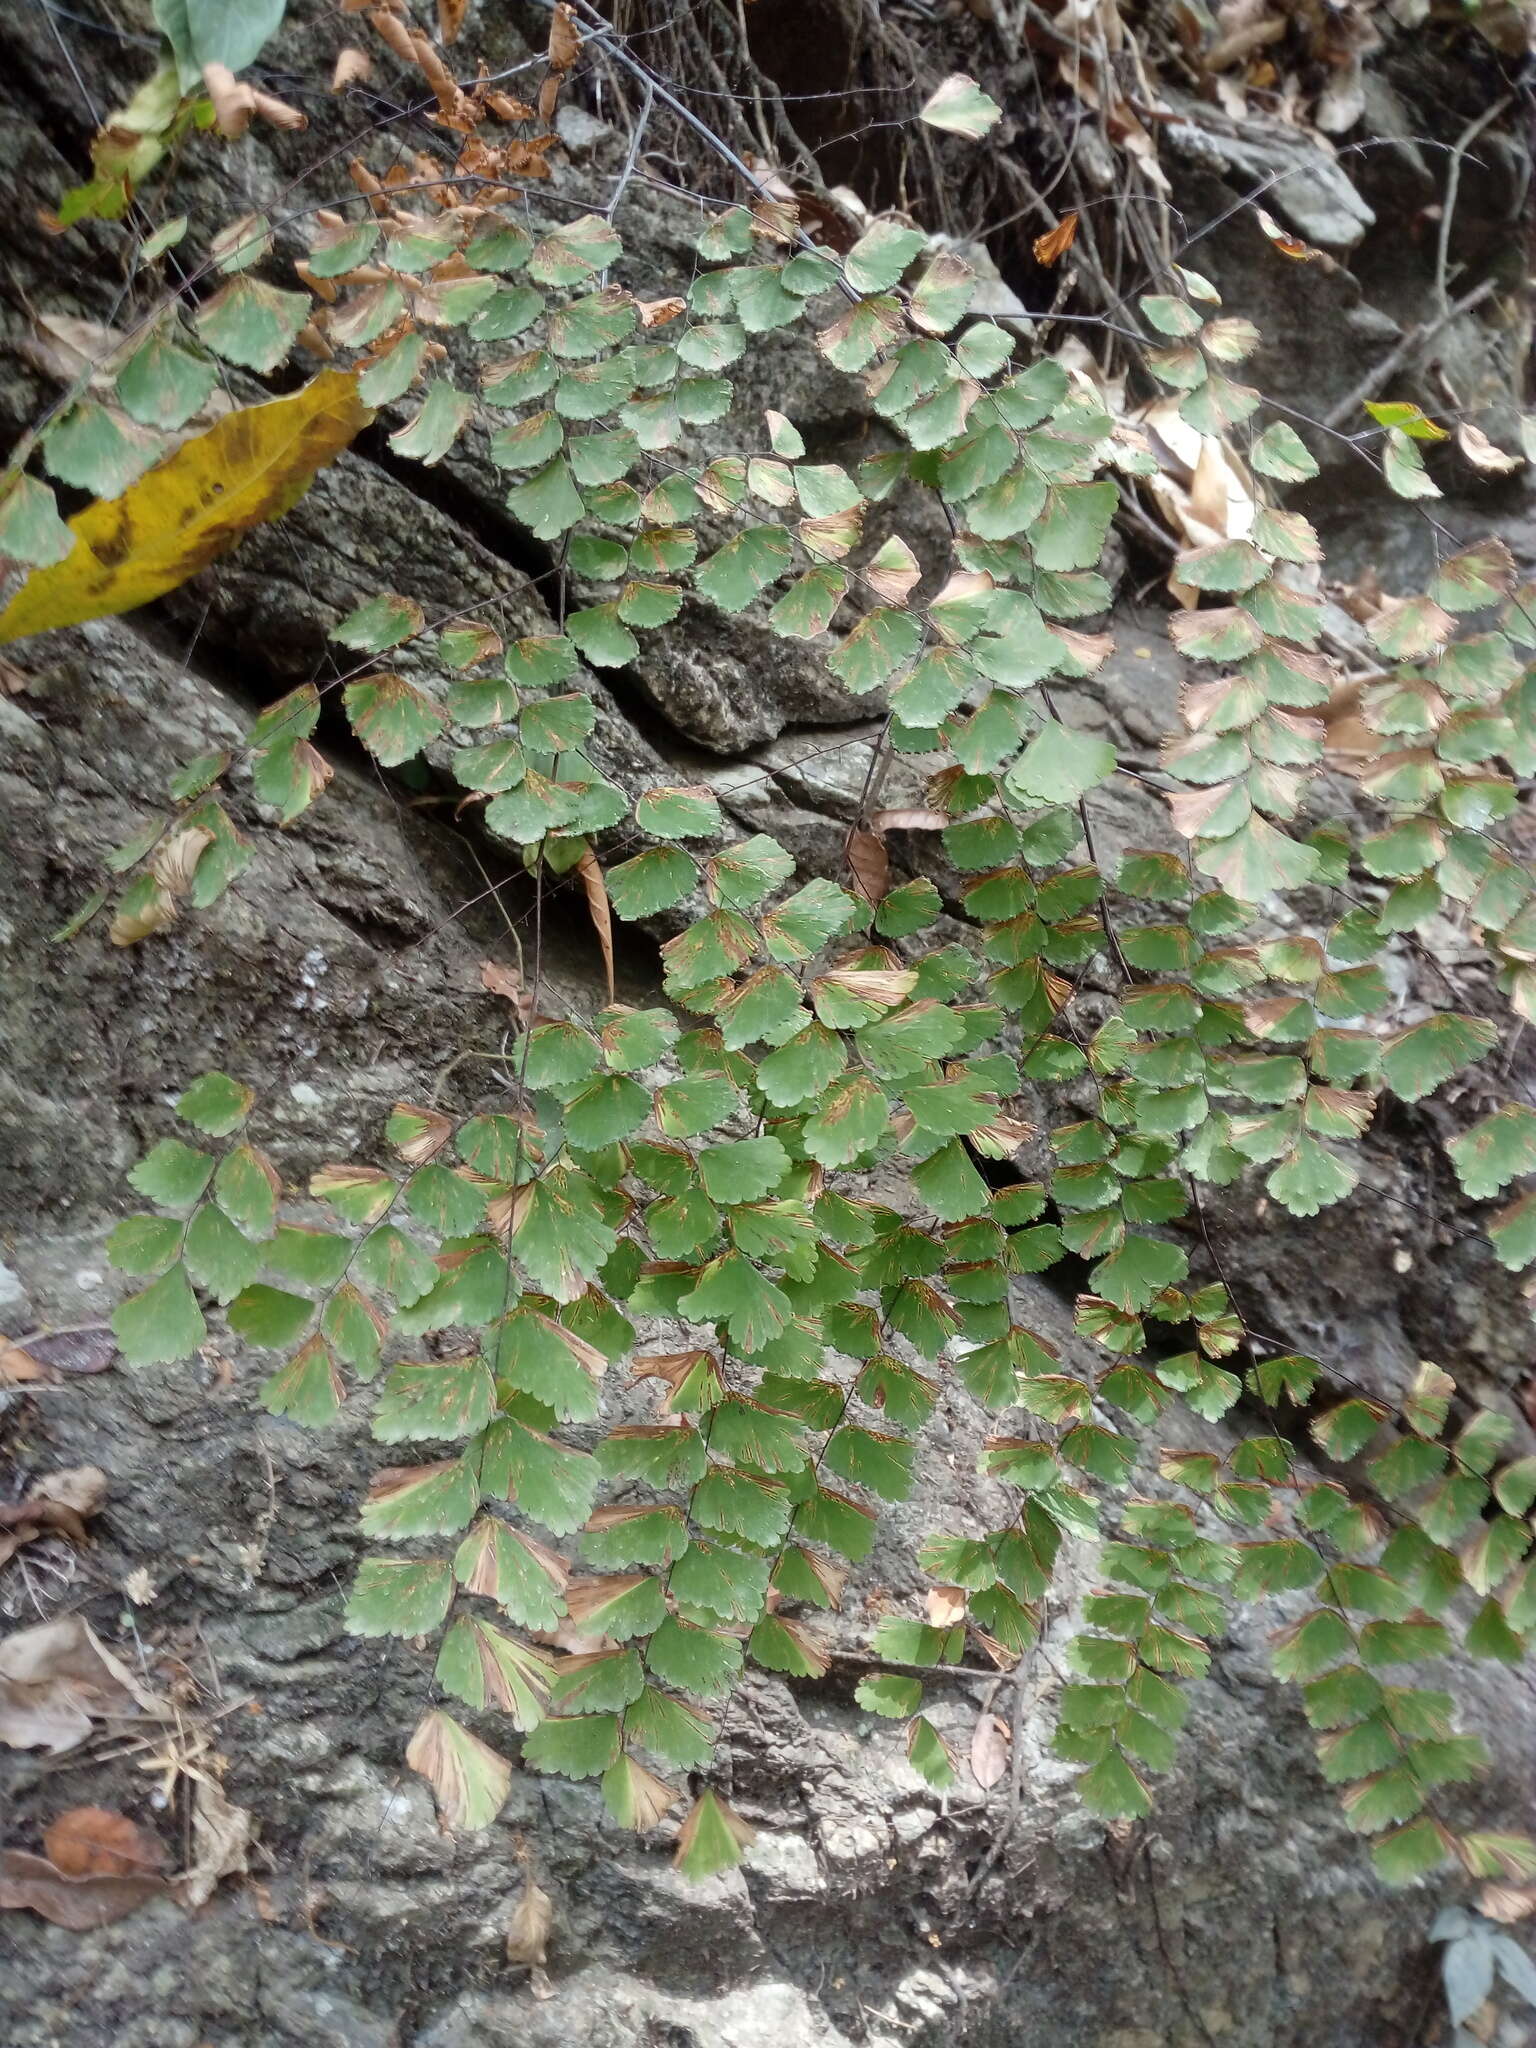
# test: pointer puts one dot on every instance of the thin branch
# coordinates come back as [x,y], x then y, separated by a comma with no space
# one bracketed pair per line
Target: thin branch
[1415,339]
[1459,149]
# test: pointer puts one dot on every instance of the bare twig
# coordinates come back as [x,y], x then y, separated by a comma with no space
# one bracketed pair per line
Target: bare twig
[1459,149]
[1415,339]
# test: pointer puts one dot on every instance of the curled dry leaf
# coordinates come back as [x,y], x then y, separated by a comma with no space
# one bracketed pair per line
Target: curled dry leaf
[233,103]
[506,981]
[946,1606]
[595,890]
[92,1841]
[990,1745]
[278,112]
[564,38]
[528,1930]
[1482,454]
[450,18]
[78,1903]
[151,915]
[390,29]
[57,1678]
[90,1349]
[18,1366]
[1507,1902]
[1049,248]
[870,864]
[660,312]
[176,858]
[221,1836]
[352,68]
[910,821]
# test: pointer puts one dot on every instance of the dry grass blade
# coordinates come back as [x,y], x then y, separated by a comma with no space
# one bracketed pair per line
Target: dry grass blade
[596,892]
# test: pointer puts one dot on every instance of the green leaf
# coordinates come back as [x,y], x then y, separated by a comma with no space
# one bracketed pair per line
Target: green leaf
[388,1262]
[1489,1156]
[687,812]
[269,1317]
[851,1120]
[880,255]
[162,1324]
[399,1597]
[960,107]
[31,529]
[711,1839]
[393,719]
[929,1755]
[172,1174]
[736,573]
[244,1187]
[144,1244]
[308,1388]
[551,1483]
[696,1660]
[486,1669]
[559,1233]
[448,1398]
[220,1257]
[743,1171]
[1059,765]
[1417,1061]
[548,504]
[251,323]
[1072,532]
[1112,1789]
[1257,861]
[384,621]
[875,649]
[1134,1276]
[420,1500]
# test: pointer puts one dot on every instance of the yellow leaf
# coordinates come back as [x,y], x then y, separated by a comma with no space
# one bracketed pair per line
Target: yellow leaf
[191,508]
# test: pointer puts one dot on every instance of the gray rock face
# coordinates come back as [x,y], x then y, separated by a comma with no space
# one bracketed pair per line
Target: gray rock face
[1287,171]
[342,973]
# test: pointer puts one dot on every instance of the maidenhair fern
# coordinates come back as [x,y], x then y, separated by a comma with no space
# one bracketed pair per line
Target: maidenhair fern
[709,1164]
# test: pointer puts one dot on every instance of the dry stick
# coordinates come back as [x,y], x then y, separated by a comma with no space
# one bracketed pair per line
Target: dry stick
[1459,149]
[1415,339]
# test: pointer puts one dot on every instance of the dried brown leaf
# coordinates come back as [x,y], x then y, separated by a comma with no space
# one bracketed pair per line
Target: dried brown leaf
[946,1606]
[91,1841]
[18,1366]
[910,821]
[176,858]
[596,892]
[78,1903]
[390,29]
[278,112]
[128,927]
[870,864]
[660,312]
[352,67]
[991,1742]
[528,1931]
[233,103]
[450,18]
[564,38]
[1482,454]
[81,1488]
[89,1349]
[56,1678]
[1050,247]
